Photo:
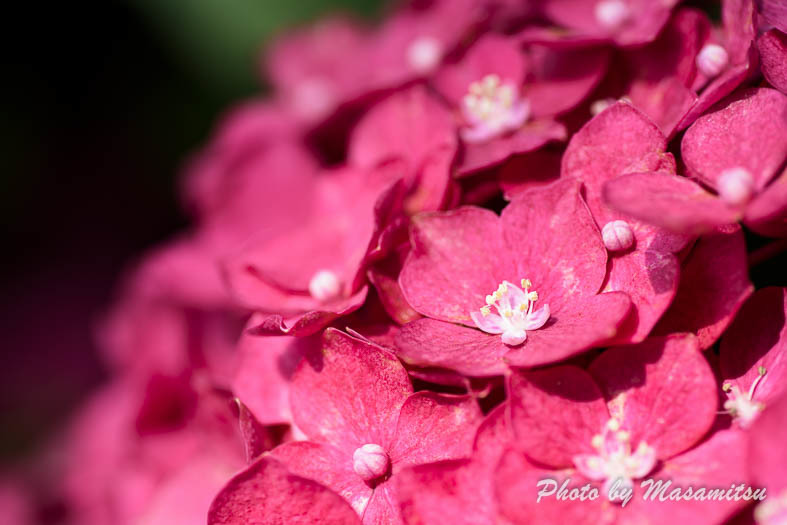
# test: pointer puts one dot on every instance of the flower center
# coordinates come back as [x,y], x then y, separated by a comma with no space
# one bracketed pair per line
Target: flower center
[424,54]
[370,462]
[492,107]
[742,407]
[325,286]
[515,315]
[617,236]
[614,462]
[736,186]
[712,59]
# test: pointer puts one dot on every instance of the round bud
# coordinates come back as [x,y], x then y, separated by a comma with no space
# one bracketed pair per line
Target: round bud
[617,236]
[370,462]
[610,14]
[424,54]
[325,286]
[736,186]
[712,60]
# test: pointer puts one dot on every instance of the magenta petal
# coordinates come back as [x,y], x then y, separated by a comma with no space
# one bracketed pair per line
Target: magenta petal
[555,413]
[773,56]
[410,124]
[492,54]
[427,342]
[266,493]
[774,12]
[326,465]
[668,201]
[758,337]
[516,486]
[531,136]
[767,454]
[458,257]
[767,213]
[750,131]
[556,243]
[265,368]
[650,278]
[459,492]
[714,284]
[351,395]
[584,323]
[662,390]
[561,79]
[433,427]
[718,462]
[383,507]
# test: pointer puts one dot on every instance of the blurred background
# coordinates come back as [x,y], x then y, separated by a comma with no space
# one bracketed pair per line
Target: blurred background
[103,102]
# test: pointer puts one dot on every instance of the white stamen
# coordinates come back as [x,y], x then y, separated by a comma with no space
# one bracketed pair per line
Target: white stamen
[515,315]
[492,107]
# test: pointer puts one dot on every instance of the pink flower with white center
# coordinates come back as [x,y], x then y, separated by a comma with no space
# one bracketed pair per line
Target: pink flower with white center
[742,406]
[515,315]
[615,462]
[492,107]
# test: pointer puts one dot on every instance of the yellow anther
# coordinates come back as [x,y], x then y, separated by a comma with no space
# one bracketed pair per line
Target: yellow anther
[490,300]
[613,425]
[532,296]
[508,313]
[761,370]
[503,287]
[597,441]
[485,310]
[526,283]
[497,295]
[726,387]
[523,307]
[623,435]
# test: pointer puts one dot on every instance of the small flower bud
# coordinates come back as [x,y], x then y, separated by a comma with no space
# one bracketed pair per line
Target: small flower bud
[325,286]
[424,54]
[712,59]
[617,236]
[610,14]
[736,186]
[370,462]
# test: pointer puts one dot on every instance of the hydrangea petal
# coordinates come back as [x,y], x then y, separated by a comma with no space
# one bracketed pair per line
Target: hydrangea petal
[767,213]
[555,413]
[767,455]
[772,46]
[662,390]
[266,493]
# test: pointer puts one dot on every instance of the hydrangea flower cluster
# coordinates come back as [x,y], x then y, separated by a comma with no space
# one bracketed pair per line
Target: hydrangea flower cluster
[483,244]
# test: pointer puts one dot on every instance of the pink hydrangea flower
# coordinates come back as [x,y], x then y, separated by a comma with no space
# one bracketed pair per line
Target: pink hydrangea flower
[466,261]
[355,404]
[737,150]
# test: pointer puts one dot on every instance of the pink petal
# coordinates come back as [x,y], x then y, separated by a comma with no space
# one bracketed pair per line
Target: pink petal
[749,131]
[718,462]
[714,284]
[774,12]
[469,351]
[351,395]
[458,492]
[555,413]
[491,55]
[525,171]
[384,276]
[265,368]
[663,391]
[584,323]
[560,80]
[267,493]
[458,257]
[433,427]
[758,337]
[516,486]
[650,278]
[326,465]
[531,136]
[556,244]
[383,507]
[256,437]
[668,201]
[767,213]
[767,455]
[773,55]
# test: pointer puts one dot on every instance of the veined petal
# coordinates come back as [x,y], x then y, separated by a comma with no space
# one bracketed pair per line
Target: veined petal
[490,323]
[538,318]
